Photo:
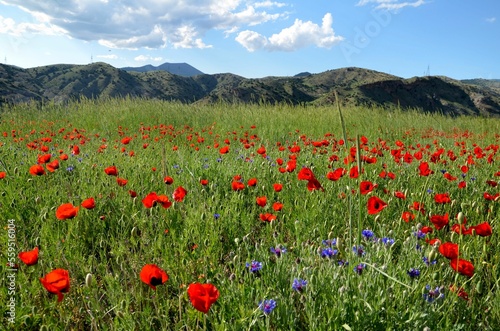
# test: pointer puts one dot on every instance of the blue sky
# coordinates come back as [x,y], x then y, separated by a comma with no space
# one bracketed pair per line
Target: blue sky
[459,39]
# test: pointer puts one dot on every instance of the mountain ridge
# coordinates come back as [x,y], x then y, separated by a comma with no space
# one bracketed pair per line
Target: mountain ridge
[354,86]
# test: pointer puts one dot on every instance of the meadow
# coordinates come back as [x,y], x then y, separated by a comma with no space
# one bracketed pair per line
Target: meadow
[131,214]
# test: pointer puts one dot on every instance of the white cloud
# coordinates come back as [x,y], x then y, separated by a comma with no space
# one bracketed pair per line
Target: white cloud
[137,24]
[491,19]
[9,26]
[392,5]
[147,58]
[299,35]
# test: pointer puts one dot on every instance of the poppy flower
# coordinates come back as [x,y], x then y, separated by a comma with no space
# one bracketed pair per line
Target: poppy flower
[418,206]
[66,211]
[261,201]
[204,182]
[442,198]
[75,150]
[179,194]
[252,182]
[121,181]
[462,184]
[168,180]
[400,195]
[267,217]
[56,282]
[2,174]
[126,140]
[277,206]
[439,221]
[375,205]
[463,267]
[426,229]
[314,184]
[30,257]
[44,158]
[486,195]
[336,174]
[163,201]
[237,186]
[277,187]
[407,216]
[354,172]
[111,171]
[449,250]
[88,203]
[63,157]
[224,150]
[202,296]
[366,187]
[150,200]
[52,166]
[132,193]
[483,229]
[37,170]
[305,174]
[291,165]
[152,275]
[424,169]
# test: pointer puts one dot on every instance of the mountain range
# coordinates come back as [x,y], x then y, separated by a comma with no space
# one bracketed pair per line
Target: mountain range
[354,86]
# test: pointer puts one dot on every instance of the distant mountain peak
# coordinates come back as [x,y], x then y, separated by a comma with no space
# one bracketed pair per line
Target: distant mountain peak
[180,69]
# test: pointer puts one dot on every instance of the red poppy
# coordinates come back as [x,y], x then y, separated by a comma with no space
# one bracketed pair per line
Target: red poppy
[305,174]
[461,229]
[418,207]
[44,158]
[261,201]
[375,205]
[126,140]
[179,194]
[163,201]
[277,206]
[267,217]
[277,187]
[400,195]
[66,211]
[30,257]
[63,157]
[52,166]
[448,176]
[204,182]
[237,186]
[449,250]
[314,184]
[354,172]
[75,150]
[442,198]
[132,193]
[121,181]
[483,229]
[202,296]
[152,275]
[56,282]
[486,195]
[2,174]
[111,171]
[88,203]
[424,169]
[37,170]
[336,174]
[150,200]
[252,182]
[426,229]
[491,183]
[291,166]
[366,187]
[407,216]
[224,150]
[168,180]
[463,267]
[462,184]
[439,221]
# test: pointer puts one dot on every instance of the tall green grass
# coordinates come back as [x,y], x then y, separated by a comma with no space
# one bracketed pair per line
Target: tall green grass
[113,241]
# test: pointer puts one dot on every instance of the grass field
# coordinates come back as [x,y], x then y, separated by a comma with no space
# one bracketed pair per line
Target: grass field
[390,224]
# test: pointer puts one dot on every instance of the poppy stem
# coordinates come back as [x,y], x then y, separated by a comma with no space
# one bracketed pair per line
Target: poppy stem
[358,163]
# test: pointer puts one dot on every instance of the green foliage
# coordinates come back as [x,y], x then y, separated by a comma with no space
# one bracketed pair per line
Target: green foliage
[211,235]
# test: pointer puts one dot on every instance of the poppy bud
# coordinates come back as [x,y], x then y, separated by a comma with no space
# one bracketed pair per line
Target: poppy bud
[88,280]
[37,200]
[236,241]
[460,218]
[478,287]
[339,244]
[433,254]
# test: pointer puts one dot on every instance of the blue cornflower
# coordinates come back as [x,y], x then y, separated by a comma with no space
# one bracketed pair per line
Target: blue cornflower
[413,273]
[359,268]
[328,252]
[419,234]
[216,216]
[387,241]
[278,251]
[70,168]
[254,266]
[368,234]
[429,190]
[359,250]
[330,242]
[267,306]
[299,284]
[342,263]
[433,294]
[426,261]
